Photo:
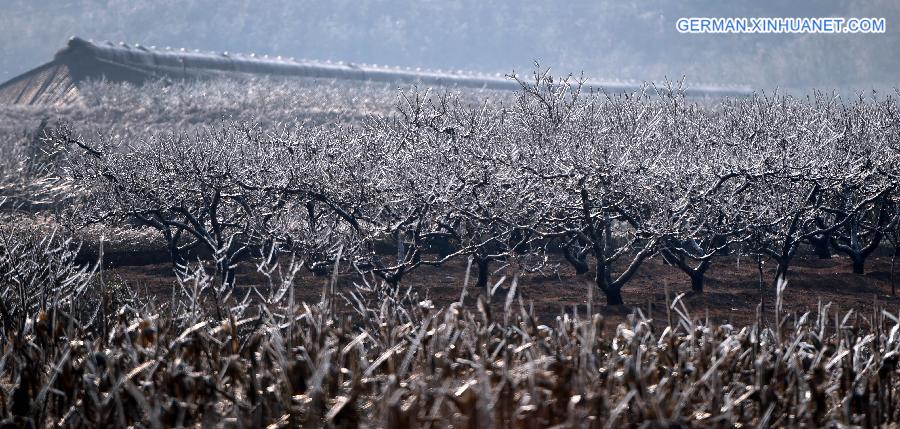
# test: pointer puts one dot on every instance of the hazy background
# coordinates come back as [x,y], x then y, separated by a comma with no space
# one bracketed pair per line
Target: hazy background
[607,39]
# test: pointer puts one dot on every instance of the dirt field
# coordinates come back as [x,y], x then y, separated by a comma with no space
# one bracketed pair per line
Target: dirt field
[731,291]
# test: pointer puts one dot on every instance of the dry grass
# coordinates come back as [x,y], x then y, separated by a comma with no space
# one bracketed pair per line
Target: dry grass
[88,355]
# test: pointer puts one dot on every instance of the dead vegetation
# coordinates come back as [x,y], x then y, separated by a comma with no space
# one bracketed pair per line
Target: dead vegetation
[84,353]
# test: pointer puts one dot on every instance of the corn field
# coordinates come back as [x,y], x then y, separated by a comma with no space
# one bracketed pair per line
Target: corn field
[88,353]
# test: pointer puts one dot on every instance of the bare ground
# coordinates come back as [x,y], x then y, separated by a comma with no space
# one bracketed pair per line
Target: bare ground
[732,290]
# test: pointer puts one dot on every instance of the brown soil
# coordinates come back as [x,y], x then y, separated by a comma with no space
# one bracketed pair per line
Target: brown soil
[732,289]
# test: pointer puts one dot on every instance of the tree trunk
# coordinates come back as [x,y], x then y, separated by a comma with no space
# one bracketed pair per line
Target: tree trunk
[172,243]
[697,275]
[893,283]
[859,265]
[697,279]
[579,263]
[762,292]
[780,275]
[401,249]
[613,296]
[783,265]
[175,255]
[613,293]
[821,246]
[484,265]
